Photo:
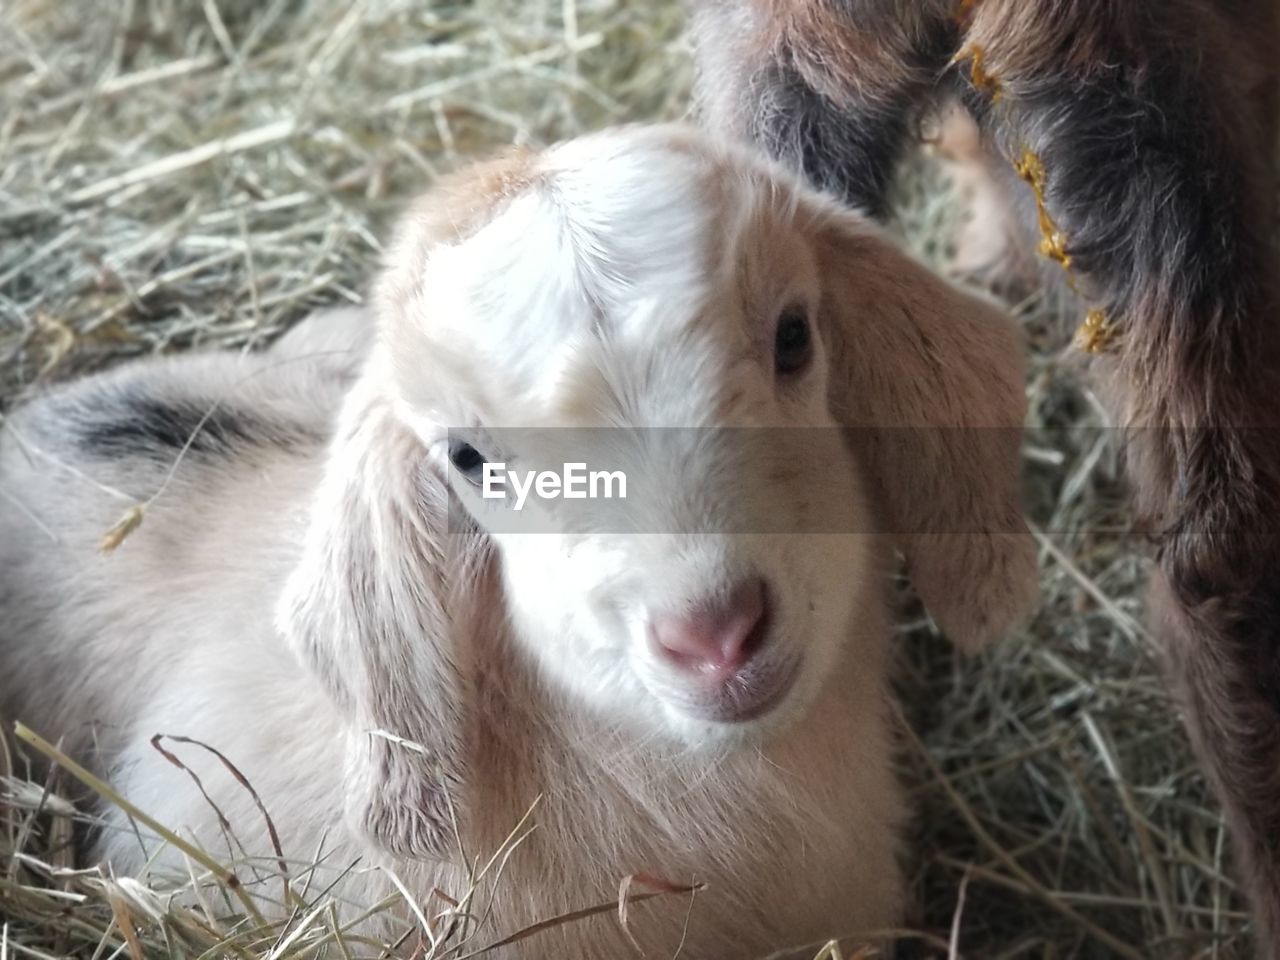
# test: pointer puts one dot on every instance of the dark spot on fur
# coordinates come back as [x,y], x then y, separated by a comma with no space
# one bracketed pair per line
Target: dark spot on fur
[850,145]
[161,429]
[838,150]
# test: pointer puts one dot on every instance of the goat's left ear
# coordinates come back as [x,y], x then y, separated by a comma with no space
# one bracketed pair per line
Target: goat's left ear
[930,382]
[377,606]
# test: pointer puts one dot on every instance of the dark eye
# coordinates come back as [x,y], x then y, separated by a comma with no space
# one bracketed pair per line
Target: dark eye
[792,344]
[466,459]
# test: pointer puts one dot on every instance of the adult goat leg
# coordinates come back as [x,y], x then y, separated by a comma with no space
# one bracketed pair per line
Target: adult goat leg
[1144,131]
[830,87]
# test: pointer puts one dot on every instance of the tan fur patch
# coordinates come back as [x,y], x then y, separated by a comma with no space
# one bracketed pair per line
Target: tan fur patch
[836,55]
[930,380]
[453,210]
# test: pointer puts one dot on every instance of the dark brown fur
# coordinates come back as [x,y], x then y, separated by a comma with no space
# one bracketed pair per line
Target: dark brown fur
[1154,123]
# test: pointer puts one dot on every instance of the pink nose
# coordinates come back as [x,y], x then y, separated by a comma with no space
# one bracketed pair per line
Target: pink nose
[715,638]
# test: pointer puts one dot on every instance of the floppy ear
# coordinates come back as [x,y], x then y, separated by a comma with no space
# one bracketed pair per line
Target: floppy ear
[930,381]
[374,607]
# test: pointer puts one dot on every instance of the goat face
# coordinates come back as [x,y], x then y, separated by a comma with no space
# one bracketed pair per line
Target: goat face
[647,303]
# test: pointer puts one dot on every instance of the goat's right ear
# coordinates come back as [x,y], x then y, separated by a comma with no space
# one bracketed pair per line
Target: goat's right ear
[930,381]
[371,609]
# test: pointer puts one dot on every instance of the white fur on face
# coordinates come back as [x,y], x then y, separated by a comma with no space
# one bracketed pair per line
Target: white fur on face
[633,284]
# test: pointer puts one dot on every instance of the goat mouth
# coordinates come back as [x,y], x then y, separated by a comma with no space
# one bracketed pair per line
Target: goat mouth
[751,693]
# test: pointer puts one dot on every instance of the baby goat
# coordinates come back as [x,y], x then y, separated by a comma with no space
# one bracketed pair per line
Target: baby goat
[695,687]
